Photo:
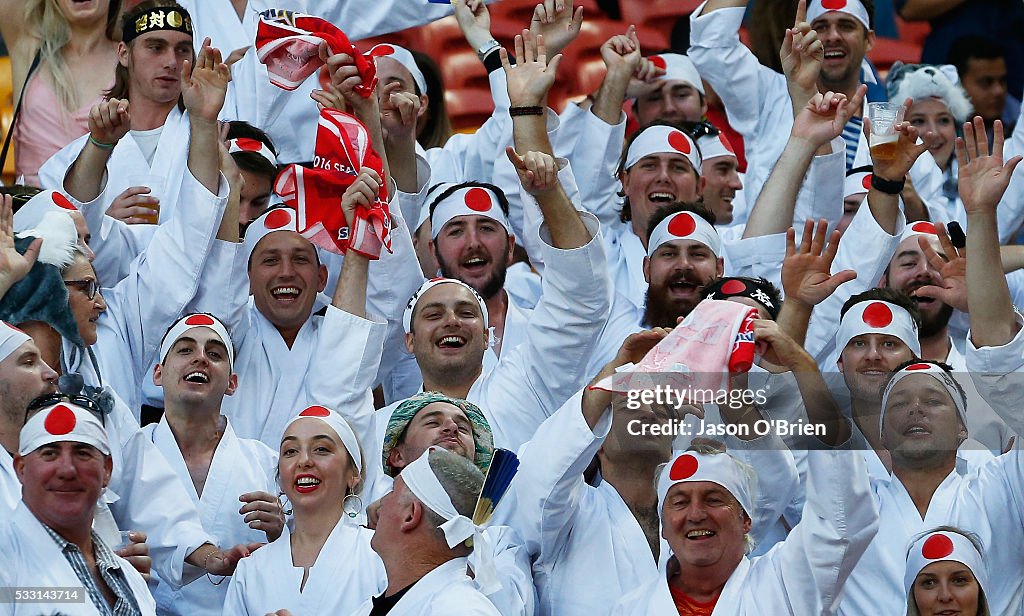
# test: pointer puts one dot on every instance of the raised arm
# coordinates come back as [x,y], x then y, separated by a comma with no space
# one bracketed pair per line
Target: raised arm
[13,265]
[109,121]
[350,294]
[884,205]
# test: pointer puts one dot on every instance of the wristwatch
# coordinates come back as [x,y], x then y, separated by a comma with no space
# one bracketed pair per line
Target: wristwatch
[487,48]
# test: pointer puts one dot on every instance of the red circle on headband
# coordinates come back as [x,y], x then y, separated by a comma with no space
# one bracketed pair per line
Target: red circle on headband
[877,315]
[682,225]
[199,319]
[923,227]
[734,286]
[918,367]
[382,50]
[277,219]
[249,145]
[866,182]
[725,142]
[60,420]
[679,142]
[315,411]
[683,468]
[478,200]
[63,202]
[833,5]
[937,546]
[658,61]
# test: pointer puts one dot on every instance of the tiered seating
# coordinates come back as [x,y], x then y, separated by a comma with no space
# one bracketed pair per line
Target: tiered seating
[6,115]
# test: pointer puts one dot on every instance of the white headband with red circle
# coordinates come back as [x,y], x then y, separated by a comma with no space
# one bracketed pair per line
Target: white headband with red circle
[684,226]
[404,57]
[921,227]
[853,8]
[63,422]
[943,545]
[31,214]
[934,371]
[714,146]
[720,468]
[678,67]
[190,322]
[10,339]
[857,182]
[469,201]
[430,284]
[878,317]
[244,144]
[339,424]
[661,139]
[274,219]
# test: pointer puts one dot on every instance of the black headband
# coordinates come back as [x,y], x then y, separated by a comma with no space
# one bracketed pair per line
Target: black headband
[737,286]
[157,18]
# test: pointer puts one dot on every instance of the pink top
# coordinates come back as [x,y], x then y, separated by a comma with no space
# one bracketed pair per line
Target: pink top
[44,128]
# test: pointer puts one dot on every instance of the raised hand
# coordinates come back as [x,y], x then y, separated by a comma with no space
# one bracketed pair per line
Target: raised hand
[134,206]
[362,192]
[533,75]
[823,117]
[263,511]
[13,265]
[344,80]
[622,52]
[399,112]
[952,268]
[205,84]
[779,348]
[109,121]
[907,149]
[538,172]
[557,22]
[137,553]
[806,271]
[475,21]
[982,177]
[802,54]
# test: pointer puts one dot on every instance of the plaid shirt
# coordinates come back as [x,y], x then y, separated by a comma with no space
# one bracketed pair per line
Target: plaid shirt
[110,571]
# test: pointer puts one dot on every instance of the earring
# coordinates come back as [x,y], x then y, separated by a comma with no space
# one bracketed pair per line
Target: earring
[352,505]
[281,500]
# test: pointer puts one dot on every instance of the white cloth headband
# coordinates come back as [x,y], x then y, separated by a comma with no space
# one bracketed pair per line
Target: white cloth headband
[878,317]
[423,483]
[678,67]
[937,373]
[857,183]
[244,144]
[469,201]
[684,226]
[63,422]
[661,139]
[11,338]
[939,546]
[854,8]
[713,146]
[31,214]
[191,322]
[430,284]
[337,423]
[918,228]
[721,468]
[274,219]
[405,58]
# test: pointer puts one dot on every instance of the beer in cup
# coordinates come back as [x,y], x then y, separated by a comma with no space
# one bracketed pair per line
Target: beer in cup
[884,118]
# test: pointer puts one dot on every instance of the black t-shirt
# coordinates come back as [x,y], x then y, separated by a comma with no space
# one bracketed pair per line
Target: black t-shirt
[382,605]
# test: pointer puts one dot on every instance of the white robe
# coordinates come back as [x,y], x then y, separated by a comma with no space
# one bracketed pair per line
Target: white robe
[804,574]
[998,373]
[444,591]
[238,466]
[346,571]
[32,559]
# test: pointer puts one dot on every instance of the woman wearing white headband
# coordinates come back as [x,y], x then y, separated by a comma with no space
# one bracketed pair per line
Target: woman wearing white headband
[324,564]
[946,574]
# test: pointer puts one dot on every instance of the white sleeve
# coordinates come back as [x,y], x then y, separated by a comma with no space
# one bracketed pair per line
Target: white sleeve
[821,194]
[234,601]
[595,154]
[998,374]
[546,369]
[362,20]
[839,521]
[223,286]
[546,493]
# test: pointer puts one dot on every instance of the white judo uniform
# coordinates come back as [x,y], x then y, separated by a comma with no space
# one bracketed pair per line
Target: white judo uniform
[32,559]
[346,571]
[238,466]
[805,573]
[445,590]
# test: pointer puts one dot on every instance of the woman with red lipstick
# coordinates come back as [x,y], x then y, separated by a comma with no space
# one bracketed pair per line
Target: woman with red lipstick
[323,564]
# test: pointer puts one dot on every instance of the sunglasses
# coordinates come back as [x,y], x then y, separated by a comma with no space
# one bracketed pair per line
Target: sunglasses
[89,287]
[703,129]
[84,402]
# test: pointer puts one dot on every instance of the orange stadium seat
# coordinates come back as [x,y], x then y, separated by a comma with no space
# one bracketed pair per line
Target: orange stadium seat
[913,31]
[462,70]
[887,51]
[441,37]
[6,115]
[660,14]
[468,109]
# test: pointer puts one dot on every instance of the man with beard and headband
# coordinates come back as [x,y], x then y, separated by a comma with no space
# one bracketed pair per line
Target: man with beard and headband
[917,269]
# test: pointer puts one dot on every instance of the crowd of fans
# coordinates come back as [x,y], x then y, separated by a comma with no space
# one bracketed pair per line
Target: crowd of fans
[273,340]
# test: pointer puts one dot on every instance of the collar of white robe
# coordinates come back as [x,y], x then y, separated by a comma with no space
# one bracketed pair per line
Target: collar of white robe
[421,480]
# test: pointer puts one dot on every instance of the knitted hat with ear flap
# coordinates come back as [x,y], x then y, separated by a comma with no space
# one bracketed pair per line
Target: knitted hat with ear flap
[924,81]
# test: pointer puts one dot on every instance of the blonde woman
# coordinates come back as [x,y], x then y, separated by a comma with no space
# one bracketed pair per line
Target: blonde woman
[76,59]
